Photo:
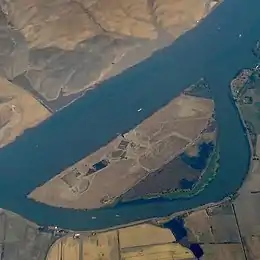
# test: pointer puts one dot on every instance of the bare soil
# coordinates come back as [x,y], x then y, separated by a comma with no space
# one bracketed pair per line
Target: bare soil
[18,112]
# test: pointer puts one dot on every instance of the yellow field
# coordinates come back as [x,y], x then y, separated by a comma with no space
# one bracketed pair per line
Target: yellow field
[103,246]
[65,249]
[160,252]
[140,242]
[224,251]
[144,234]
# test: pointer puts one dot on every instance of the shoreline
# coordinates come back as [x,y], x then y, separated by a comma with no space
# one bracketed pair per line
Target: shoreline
[123,62]
[246,131]
[106,218]
[228,198]
[231,197]
[157,220]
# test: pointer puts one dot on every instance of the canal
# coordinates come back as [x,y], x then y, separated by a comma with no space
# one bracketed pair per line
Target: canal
[212,50]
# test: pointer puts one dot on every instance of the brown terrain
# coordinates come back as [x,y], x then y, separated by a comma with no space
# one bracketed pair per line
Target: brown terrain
[18,111]
[227,231]
[105,175]
[21,239]
[56,48]
[64,24]
[141,242]
[217,231]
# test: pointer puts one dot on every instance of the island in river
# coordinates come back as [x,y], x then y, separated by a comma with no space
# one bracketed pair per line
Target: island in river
[230,175]
[171,154]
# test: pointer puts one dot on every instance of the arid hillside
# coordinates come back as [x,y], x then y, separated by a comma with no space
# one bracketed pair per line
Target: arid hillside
[108,173]
[18,111]
[59,48]
[52,51]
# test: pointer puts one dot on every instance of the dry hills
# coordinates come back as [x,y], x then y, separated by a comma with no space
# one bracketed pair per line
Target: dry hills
[56,48]
[18,111]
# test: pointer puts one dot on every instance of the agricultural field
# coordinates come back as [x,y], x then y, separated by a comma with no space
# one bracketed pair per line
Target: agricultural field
[144,234]
[213,225]
[140,242]
[170,251]
[215,230]
[223,251]
[246,88]
[247,210]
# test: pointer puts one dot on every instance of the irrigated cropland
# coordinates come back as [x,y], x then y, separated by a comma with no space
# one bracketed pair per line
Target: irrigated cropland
[140,242]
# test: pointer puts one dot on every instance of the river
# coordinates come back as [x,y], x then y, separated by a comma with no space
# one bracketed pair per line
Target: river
[212,50]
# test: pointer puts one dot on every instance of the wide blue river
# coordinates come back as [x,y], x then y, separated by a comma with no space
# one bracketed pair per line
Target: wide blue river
[212,50]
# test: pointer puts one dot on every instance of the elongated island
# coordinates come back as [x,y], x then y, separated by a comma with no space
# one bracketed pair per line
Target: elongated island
[171,154]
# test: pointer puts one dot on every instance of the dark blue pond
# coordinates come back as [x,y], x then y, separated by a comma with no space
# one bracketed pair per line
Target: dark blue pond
[186,184]
[199,162]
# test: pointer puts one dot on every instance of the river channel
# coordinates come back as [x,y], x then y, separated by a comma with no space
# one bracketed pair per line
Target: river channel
[212,50]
